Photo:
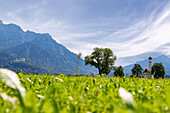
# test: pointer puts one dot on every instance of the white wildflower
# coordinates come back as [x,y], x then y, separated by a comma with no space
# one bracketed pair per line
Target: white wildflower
[28,79]
[100,86]
[166,108]
[76,102]
[61,80]
[7,110]
[39,79]
[11,79]
[70,97]
[40,96]
[140,91]
[126,96]
[8,99]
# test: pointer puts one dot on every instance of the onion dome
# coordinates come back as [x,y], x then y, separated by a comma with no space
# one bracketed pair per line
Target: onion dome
[150,58]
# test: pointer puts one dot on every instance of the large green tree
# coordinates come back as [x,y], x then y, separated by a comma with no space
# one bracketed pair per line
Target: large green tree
[118,71]
[137,70]
[102,59]
[158,70]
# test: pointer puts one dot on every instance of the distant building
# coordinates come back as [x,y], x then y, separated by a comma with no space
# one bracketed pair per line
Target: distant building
[147,72]
[19,60]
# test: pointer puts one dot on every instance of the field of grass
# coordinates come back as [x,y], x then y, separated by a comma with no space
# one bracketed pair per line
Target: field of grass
[62,94]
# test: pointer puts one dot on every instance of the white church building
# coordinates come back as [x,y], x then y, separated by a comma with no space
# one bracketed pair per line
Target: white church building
[147,72]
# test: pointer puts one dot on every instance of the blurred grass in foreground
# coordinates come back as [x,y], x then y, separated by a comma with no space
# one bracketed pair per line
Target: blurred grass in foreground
[62,94]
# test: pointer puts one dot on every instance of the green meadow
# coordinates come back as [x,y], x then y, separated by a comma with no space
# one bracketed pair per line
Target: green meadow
[66,94]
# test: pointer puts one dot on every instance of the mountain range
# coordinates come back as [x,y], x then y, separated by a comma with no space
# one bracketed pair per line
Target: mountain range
[165,60]
[32,52]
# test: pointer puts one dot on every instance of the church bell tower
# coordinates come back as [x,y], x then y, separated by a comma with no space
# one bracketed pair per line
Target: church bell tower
[150,64]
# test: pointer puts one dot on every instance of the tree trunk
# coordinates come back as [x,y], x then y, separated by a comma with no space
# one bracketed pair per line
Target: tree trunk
[99,71]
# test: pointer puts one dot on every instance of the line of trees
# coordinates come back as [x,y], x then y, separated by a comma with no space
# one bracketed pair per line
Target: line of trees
[104,59]
[158,70]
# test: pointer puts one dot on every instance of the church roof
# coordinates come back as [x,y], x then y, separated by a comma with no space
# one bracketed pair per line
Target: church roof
[146,70]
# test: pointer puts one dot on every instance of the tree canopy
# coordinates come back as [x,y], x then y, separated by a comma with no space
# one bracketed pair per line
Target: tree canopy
[158,70]
[137,70]
[118,71]
[102,59]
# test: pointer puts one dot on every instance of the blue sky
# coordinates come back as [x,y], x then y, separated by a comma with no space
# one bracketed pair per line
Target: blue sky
[128,27]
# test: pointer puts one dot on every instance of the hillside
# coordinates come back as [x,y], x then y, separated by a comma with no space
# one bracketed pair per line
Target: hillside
[5,59]
[26,67]
[11,62]
[39,49]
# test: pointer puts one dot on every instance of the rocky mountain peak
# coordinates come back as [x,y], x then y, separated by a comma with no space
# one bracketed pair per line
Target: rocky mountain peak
[1,22]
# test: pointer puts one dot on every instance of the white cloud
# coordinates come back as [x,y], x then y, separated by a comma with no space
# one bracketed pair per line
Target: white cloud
[141,37]
[152,36]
